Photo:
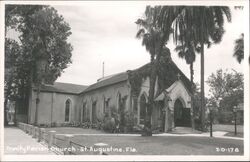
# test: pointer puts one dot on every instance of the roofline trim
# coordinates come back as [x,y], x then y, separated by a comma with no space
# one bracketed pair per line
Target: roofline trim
[57,92]
[84,91]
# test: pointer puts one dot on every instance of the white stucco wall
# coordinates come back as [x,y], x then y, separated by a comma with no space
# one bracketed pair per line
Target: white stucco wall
[99,94]
[52,107]
[178,91]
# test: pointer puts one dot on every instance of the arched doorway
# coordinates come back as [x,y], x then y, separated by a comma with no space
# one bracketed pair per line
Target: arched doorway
[143,109]
[181,115]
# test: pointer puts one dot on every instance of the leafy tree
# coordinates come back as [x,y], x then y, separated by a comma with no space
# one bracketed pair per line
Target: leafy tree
[226,84]
[227,90]
[11,73]
[239,48]
[43,36]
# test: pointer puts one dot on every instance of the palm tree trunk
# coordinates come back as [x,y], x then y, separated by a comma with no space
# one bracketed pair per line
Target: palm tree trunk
[152,80]
[150,105]
[202,89]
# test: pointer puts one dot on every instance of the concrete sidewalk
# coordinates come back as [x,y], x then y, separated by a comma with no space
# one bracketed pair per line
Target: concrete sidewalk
[19,143]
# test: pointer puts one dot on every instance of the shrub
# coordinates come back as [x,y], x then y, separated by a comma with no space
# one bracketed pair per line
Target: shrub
[129,121]
[53,124]
[137,128]
[225,117]
[109,124]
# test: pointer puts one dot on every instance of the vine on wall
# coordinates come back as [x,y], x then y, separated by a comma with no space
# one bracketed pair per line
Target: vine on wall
[167,73]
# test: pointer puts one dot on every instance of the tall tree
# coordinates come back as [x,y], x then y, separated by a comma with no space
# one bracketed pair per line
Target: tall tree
[202,25]
[239,48]
[154,41]
[43,35]
[11,73]
[187,51]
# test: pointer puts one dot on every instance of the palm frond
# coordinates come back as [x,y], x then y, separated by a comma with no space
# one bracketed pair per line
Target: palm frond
[140,33]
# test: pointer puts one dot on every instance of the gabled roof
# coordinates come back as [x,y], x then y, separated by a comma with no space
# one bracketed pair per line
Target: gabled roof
[109,80]
[175,69]
[63,88]
[162,95]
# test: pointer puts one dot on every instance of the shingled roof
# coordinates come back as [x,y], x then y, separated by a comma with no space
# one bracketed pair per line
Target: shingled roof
[63,88]
[120,77]
[106,81]
[109,80]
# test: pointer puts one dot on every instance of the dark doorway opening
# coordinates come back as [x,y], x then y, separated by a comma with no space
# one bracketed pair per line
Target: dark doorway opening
[182,116]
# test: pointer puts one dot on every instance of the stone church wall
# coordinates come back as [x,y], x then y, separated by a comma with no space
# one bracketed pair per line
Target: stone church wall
[52,108]
[99,95]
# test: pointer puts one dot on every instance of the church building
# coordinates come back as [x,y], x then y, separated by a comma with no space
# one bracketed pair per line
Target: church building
[125,92]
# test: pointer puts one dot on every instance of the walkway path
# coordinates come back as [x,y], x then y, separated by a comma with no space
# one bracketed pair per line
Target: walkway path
[18,142]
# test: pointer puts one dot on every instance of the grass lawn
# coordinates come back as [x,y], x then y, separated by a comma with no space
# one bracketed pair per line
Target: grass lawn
[231,134]
[74,130]
[165,145]
[156,145]
[228,128]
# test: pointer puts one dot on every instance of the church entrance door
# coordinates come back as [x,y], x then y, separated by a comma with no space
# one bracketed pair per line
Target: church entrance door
[182,116]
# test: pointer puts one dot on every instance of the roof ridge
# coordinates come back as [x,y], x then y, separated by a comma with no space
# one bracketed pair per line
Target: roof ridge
[69,83]
[115,78]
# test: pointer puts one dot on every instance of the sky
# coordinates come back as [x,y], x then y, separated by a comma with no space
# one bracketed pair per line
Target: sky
[106,33]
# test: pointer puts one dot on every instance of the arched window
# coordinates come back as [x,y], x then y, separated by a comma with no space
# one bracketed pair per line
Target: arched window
[67,110]
[143,109]
[94,114]
[83,112]
[119,102]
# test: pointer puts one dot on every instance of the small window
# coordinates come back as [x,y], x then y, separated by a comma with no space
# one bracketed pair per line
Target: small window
[106,110]
[67,110]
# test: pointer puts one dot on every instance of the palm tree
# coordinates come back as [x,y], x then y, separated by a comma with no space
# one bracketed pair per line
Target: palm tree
[150,39]
[154,41]
[187,51]
[239,48]
[204,25]
[201,25]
